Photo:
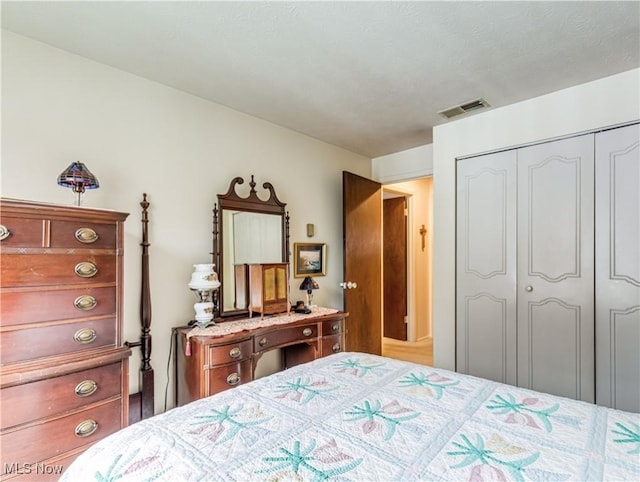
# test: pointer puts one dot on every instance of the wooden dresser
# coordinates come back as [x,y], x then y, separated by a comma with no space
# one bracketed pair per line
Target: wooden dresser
[213,362]
[63,368]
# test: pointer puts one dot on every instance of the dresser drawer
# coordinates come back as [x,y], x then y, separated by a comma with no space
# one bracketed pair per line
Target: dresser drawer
[332,327]
[55,269]
[44,233]
[26,344]
[23,232]
[282,337]
[78,234]
[32,401]
[20,307]
[228,376]
[55,437]
[222,354]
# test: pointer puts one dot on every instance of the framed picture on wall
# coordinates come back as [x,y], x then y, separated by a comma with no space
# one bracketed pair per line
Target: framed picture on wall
[309,259]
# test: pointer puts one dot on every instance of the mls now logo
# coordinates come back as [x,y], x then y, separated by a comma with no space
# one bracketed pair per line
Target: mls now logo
[27,469]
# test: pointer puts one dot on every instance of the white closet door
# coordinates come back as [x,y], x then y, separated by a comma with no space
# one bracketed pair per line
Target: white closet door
[618,268]
[486,266]
[555,268]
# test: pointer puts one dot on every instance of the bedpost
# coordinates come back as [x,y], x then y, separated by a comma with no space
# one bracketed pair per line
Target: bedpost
[146,371]
[141,404]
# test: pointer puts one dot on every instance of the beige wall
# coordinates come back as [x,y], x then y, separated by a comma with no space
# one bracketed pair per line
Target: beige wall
[605,102]
[139,136]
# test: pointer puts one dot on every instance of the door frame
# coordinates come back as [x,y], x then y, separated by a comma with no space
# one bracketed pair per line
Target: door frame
[419,265]
[388,192]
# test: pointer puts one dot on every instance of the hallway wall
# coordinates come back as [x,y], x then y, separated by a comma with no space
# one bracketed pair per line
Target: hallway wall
[421,214]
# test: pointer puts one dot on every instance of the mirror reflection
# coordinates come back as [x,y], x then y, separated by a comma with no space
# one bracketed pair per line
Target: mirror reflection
[249,238]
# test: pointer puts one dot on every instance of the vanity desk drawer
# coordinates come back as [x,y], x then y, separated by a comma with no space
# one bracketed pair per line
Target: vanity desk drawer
[228,376]
[219,354]
[282,337]
[332,344]
[332,327]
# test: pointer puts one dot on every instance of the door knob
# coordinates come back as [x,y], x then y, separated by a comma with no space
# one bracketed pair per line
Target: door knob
[348,285]
[528,288]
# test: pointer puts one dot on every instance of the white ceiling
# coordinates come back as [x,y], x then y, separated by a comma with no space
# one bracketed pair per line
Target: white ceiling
[367,76]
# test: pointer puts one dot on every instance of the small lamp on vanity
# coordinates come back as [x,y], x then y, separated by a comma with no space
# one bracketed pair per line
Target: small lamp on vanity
[309,284]
[78,177]
[204,280]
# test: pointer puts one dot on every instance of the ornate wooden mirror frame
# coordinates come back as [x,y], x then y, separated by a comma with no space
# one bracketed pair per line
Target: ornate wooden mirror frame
[231,206]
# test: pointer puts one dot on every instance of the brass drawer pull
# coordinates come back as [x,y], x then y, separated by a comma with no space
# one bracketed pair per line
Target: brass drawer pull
[235,352]
[335,327]
[336,347]
[86,428]
[263,341]
[233,379]
[85,269]
[307,332]
[85,302]
[4,232]
[86,388]
[85,335]
[86,235]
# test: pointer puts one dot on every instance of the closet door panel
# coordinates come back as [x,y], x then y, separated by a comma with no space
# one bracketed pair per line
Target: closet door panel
[485,297]
[486,334]
[618,268]
[555,267]
[553,334]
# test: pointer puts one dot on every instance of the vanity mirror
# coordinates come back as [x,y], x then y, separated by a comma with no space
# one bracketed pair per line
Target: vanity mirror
[246,230]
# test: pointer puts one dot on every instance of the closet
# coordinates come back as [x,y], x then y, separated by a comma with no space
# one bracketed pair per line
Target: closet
[548,267]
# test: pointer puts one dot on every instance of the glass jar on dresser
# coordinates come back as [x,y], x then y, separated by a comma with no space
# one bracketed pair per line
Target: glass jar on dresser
[63,367]
[214,359]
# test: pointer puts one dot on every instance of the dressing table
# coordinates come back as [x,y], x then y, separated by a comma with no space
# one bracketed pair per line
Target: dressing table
[210,360]
[252,307]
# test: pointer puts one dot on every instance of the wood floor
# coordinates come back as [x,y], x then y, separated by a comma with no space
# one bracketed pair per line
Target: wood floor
[418,351]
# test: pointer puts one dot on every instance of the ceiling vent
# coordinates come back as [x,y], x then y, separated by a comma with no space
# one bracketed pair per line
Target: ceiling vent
[464,108]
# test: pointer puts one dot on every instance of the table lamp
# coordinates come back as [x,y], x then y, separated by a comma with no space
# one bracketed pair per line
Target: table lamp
[78,177]
[309,284]
[204,280]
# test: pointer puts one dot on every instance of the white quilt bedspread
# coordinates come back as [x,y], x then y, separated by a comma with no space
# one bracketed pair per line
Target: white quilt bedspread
[359,417]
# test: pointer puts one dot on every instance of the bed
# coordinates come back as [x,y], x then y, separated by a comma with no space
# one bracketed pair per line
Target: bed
[355,416]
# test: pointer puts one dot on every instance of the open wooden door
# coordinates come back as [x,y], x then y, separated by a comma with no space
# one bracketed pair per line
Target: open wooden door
[394,218]
[362,231]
